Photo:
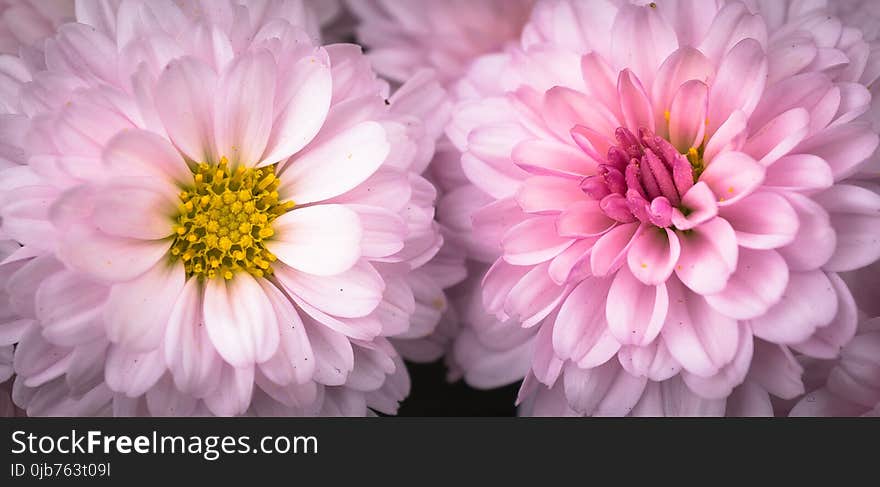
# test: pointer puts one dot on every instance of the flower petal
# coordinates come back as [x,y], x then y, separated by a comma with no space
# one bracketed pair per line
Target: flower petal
[335,165]
[635,311]
[137,311]
[323,240]
[653,255]
[701,339]
[351,294]
[760,278]
[240,320]
[708,256]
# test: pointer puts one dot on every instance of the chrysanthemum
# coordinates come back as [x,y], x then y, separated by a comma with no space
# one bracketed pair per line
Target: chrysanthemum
[405,36]
[217,215]
[669,201]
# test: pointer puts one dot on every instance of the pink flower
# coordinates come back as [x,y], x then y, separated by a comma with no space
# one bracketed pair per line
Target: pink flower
[27,22]
[217,217]
[405,36]
[669,200]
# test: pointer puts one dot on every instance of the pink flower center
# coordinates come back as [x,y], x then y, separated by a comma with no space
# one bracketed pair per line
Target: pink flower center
[643,178]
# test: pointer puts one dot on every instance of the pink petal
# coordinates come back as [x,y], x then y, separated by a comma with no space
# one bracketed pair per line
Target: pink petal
[762,220]
[552,158]
[732,176]
[652,361]
[672,398]
[546,366]
[573,263]
[635,311]
[185,98]
[114,210]
[581,320]
[240,320]
[233,396]
[547,195]
[323,240]
[243,108]
[334,356]
[720,385]
[687,115]
[534,241]
[815,240]
[634,103]
[653,255]
[843,147]
[809,302]
[681,66]
[137,311]
[301,116]
[584,219]
[641,39]
[607,390]
[730,136]
[69,308]
[486,368]
[829,340]
[189,353]
[131,372]
[799,172]
[708,256]
[565,108]
[352,294]
[749,400]
[336,165]
[855,216]
[533,297]
[757,284]
[779,136]
[383,231]
[701,205]
[701,339]
[294,361]
[777,370]
[610,249]
[145,153]
[739,82]
[107,258]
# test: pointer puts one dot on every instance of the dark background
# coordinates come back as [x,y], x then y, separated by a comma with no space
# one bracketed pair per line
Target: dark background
[432,395]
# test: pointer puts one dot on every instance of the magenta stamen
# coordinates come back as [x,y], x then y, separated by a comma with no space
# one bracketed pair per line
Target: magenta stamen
[661,174]
[683,174]
[652,189]
[638,205]
[643,178]
[615,179]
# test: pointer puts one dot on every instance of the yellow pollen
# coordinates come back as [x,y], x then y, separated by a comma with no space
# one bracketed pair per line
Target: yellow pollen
[224,220]
[666,115]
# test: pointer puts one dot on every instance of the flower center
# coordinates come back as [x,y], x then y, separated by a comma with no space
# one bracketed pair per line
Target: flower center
[643,178]
[224,219]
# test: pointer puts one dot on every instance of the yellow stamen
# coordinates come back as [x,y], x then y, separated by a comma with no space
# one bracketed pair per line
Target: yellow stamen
[225,219]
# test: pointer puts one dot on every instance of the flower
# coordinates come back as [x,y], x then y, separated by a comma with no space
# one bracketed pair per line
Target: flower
[224,223]
[27,22]
[671,199]
[404,36]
